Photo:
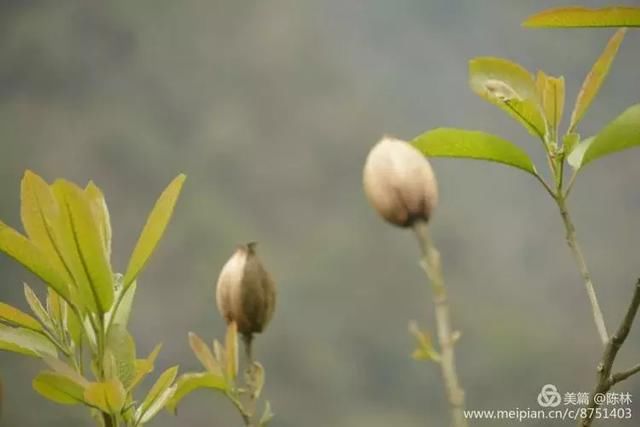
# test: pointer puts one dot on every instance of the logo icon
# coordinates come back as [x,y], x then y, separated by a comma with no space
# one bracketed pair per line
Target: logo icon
[549,396]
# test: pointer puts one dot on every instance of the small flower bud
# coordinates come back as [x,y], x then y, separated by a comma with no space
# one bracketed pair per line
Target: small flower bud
[399,182]
[246,292]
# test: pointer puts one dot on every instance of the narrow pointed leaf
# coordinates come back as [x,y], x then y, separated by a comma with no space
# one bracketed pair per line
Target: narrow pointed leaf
[89,244]
[189,383]
[62,368]
[18,247]
[144,367]
[121,316]
[551,92]
[15,317]
[158,396]
[449,142]
[573,17]
[204,354]
[39,212]
[36,306]
[154,229]
[231,347]
[510,87]
[108,396]
[59,388]
[25,341]
[595,78]
[621,134]
[101,214]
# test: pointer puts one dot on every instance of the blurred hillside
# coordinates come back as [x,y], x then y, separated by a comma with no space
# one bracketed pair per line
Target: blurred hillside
[270,108]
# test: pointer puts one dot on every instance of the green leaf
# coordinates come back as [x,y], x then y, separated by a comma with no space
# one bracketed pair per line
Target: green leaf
[258,379]
[90,247]
[153,229]
[158,396]
[123,348]
[101,214]
[109,396]
[18,247]
[58,388]
[620,134]
[204,354]
[231,346]
[39,212]
[577,154]
[449,142]
[573,17]
[267,415]
[189,383]
[510,87]
[144,367]
[62,368]
[126,296]
[36,306]
[595,78]
[551,92]
[570,140]
[15,317]
[25,341]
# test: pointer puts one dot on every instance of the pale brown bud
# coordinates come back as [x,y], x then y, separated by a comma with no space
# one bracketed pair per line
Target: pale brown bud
[246,292]
[399,182]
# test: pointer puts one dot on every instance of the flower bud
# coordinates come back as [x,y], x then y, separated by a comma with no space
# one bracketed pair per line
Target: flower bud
[399,182]
[246,292]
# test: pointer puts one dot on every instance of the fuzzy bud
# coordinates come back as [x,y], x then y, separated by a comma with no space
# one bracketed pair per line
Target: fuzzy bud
[399,182]
[245,292]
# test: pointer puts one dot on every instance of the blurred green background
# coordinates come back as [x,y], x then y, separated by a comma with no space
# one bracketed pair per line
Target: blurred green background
[270,108]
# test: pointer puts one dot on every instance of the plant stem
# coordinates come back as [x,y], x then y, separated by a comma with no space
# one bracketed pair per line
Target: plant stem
[431,264]
[606,379]
[108,421]
[584,270]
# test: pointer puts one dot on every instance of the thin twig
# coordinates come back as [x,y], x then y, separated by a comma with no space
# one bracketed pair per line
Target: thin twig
[431,265]
[584,270]
[606,380]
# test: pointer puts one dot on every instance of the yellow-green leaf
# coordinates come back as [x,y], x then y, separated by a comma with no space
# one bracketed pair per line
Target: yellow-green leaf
[231,346]
[109,396]
[36,306]
[89,245]
[18,247]
[25,341]
[101,214]
[449,142]
[62,368]
[425,350]
[510,87]
[189,383]
[204,354]
[144,367]
[620,134]
[595,78]
[123,309]
[123,348]
[158,396]
[153,229]
[573,17]
[551,92]
[13,316]
[39,212]
[58,388]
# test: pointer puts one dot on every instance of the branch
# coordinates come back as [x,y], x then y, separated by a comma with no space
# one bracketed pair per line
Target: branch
[431,264]
[605,379]
[572,241]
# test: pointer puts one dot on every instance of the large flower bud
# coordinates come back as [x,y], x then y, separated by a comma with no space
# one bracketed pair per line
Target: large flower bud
[399,182]
[246,292]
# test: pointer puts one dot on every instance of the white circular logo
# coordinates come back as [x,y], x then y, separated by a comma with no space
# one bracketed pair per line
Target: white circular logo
[549,396]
